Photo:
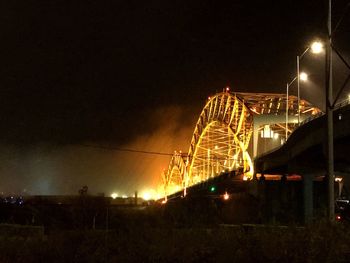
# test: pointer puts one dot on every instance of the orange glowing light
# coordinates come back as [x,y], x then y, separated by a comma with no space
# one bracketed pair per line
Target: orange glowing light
[150,194]
[226,196]
[146,196]
[338,179]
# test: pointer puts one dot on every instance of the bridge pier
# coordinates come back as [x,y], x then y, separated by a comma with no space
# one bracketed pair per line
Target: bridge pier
[308,198]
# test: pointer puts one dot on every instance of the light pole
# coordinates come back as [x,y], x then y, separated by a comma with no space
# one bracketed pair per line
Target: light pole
[316,47]
[329,115]
[303,77]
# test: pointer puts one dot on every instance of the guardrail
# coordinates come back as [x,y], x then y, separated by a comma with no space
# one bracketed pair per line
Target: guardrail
[336,107]
[312,117]
[342,104]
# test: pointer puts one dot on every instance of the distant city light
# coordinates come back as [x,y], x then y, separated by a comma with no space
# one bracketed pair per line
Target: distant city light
[338,179]
[146,196]
[150,194]
[114,195]
[124,196]
[226,196]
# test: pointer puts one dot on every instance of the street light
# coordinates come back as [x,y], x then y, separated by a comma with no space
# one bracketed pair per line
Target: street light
[303,77]
[316,47]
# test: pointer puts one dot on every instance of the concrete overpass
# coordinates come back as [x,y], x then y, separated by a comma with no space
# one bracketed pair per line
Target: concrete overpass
[304,153]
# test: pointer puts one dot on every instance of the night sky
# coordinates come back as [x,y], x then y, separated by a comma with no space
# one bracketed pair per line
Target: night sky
[135,74]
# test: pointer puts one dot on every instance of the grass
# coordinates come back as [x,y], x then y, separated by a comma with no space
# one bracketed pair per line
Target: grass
[157,235]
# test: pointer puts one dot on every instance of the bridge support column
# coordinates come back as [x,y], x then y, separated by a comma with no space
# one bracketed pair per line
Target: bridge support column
[308,198]
[255,139]
[284,189]
[253,186]
[261,194]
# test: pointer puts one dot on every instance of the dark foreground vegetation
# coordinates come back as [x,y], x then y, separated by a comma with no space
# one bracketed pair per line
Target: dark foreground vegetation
[173,233]
[145,243]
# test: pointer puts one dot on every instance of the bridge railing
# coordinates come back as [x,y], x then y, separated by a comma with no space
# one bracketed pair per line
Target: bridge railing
[312,117]
[342,103]
[337,106]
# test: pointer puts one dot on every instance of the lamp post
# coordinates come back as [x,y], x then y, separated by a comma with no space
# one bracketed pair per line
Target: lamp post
[303,77]
[329,115]
[316,48]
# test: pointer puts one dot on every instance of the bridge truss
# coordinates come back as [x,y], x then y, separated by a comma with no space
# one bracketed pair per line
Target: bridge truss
[219,144]
[223,132]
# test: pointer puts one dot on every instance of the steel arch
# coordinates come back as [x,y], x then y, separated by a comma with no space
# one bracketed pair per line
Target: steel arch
[219,143]
[174,177]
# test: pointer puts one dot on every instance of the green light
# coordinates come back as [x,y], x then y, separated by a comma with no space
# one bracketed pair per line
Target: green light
[212,188]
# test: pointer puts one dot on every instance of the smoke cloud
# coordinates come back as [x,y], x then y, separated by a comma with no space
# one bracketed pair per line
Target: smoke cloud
[47,169]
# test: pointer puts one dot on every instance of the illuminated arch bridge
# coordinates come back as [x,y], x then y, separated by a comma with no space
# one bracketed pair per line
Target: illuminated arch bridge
[219,144]
[223,134]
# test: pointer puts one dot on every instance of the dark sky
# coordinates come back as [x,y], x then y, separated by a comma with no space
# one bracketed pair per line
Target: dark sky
[117,72]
